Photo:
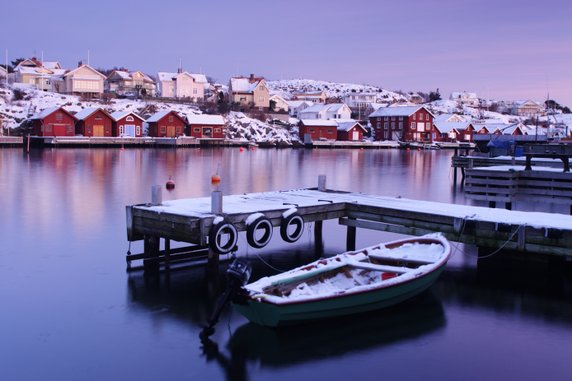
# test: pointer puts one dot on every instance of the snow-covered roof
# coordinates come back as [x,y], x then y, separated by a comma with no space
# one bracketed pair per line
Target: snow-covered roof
[45,112]
[450,118]
[86,112]
[446,127]
[205,119]
[295,104]
[463,94]
[319,122]
[346,125]
[165,76]
[71,72]
[396,111]
[160,115]
[51,65]
[122,114]
[242,85]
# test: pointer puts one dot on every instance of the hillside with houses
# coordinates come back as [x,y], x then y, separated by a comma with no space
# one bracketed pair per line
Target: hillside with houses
[42,98]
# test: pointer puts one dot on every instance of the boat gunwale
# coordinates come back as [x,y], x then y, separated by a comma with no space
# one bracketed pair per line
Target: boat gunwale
[435,266]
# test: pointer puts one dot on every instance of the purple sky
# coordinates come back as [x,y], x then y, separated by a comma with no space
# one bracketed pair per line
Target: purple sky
[498,49]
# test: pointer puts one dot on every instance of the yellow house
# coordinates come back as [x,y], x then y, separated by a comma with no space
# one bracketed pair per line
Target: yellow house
[83,80]
[249,91]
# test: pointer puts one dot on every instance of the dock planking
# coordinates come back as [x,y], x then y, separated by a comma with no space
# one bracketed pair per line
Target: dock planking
[190,220]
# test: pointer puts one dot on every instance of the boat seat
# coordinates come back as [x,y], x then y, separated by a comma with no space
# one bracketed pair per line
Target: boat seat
[382,268]
[417,261]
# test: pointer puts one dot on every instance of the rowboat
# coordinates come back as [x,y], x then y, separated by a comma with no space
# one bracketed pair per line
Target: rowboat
[353,282]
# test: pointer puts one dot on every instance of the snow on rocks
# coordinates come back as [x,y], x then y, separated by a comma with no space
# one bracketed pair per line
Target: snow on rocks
[241,127]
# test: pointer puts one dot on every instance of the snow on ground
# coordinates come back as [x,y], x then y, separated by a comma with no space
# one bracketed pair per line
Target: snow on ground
[331,89]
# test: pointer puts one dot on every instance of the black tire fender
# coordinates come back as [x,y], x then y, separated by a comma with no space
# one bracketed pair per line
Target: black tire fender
[260,222]
[216,234]
[293,219]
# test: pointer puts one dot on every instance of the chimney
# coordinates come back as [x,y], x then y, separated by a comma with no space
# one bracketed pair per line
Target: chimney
[252,77]
[180,70]
[79,63]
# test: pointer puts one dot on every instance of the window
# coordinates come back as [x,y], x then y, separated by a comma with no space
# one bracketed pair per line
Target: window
[59,116]
[330,131]
[121,131]
[379,118]
[197,129]
[426,116]
[386,118]
[195,91]
[217,130]
[130,118]
[138,130]
[386,126]
[400,118]
[170,118]
[400,126]
[413,117]
[163,129]
[312,130]
[392,118]
[69,129]
[412,125]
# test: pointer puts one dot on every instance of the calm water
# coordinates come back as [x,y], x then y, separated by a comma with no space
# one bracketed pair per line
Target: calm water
[70,311]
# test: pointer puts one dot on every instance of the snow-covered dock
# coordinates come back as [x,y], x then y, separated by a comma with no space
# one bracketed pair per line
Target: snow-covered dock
[213,223]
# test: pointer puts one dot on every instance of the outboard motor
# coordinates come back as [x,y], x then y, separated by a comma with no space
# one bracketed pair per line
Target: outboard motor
[237,275]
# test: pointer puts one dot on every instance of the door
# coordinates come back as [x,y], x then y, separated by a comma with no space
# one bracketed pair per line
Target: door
[355,135]
[98,130]
[129,130]
[171,131]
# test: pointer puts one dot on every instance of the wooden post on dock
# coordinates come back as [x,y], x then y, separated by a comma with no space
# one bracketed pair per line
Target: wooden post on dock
[351,237]
[156,195]
[318,238]
[322,183]
[216,208]
[151,253]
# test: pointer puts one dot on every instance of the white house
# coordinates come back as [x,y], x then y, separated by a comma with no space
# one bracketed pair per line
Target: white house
[279,102]
[359,100]
[182,85]
[295,107]
[3,72]
[327,111]
[465,98]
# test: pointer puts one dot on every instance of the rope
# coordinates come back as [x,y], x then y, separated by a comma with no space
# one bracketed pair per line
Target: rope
[501,247]
[129,249]
[262,259]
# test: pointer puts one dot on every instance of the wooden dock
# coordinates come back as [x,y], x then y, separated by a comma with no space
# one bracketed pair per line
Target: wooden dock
[208,223]
[508,184]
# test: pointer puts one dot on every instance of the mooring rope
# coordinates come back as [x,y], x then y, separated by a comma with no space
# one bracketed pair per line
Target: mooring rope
[501,247]
[262,259]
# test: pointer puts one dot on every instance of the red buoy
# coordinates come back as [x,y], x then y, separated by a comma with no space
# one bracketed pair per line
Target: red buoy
[170,184]
[241,149]
[215,179]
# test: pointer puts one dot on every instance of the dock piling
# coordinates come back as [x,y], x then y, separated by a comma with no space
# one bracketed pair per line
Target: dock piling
[216,202]
[322,183]
[156,195]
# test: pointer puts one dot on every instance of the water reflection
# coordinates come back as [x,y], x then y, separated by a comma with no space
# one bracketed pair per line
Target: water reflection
[286,346]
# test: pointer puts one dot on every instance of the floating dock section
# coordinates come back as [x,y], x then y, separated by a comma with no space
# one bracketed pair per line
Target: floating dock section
[212,223]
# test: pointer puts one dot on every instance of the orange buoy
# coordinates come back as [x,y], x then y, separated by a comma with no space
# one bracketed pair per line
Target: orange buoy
[241,149]
[215,179]
[170,185]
